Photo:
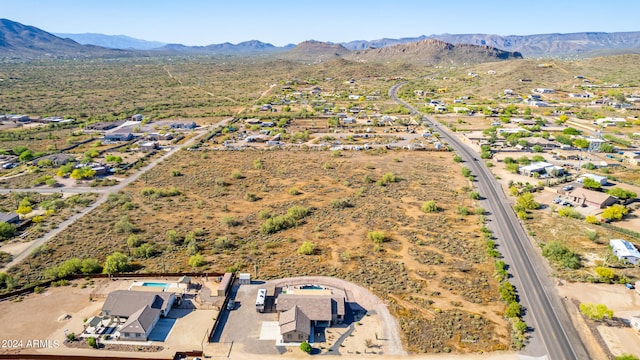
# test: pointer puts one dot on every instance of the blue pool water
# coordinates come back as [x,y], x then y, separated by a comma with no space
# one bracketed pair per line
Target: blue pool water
[155,284]
[311,287]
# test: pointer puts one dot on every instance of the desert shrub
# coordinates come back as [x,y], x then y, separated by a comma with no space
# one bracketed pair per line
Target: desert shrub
[527,202]
[462,210]
[507,292]
[569,212]
[590,219]
[251,197]
[144,251]
[305,347]
[560,254]
[341,203]
[38,289]
[229,221]
[236,175]
[388,178]
[307,248]
[123,226]
[596,311]
[7,231]
[377,237]
[297,212]
[92,342]
[257,164]
[513,310]
[457,158]
[277,223]
[294,191]
[264,214]
[474,195]
[430,206]
[196,260]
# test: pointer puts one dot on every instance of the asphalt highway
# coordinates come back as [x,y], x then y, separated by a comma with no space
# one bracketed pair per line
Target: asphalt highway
[545,313]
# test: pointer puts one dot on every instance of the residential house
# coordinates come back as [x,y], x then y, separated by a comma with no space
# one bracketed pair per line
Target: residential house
[104,126]
[58,159]
[580,96]
[543,91]
[295,326]
[625,250]
[9,218]
[541,168]
[158,136]
[139,325]
[140,311]
[602,180]
[266,107]
[587,197]
[118,137]
[184,125]
[148,146]
[634,159]
[136,117]
[544,143]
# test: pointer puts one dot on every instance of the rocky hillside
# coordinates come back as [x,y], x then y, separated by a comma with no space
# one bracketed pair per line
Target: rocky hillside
[23,41]
[315,51]
[574,44]
[430,52]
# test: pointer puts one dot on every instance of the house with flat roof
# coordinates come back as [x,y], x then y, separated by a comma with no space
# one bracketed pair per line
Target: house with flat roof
[541,168]
[117,137]
[602,180]
[625,250]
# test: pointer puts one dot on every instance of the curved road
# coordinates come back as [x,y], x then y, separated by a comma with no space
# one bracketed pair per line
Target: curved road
[544,312]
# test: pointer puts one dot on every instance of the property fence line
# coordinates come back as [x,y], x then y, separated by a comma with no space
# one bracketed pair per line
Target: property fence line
[122,276]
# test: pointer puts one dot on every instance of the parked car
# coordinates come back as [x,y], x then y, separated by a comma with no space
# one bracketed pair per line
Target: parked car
[9,166]
[231,305]
[557,201]
[567,187]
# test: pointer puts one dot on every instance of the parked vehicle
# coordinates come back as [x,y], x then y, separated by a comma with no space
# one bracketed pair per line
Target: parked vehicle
[567,187]
[629,286]
[231,304]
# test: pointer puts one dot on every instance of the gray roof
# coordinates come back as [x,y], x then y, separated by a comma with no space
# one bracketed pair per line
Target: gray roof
[9,217]
[141,321]
[294,320]
[124,303]
[316,307]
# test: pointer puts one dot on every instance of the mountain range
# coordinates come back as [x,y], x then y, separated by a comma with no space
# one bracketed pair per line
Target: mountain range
[18,40]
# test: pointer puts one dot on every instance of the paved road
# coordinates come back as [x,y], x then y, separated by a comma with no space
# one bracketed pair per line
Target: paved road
[545,312]
[104,191]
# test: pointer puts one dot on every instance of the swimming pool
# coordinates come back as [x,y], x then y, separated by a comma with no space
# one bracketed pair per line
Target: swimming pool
[311,287]
[155,284]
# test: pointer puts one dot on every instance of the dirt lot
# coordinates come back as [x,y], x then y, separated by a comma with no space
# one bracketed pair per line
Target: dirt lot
[622,301]
[438,276]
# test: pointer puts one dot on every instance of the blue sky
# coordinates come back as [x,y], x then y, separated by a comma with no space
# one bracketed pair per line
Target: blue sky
[203,22]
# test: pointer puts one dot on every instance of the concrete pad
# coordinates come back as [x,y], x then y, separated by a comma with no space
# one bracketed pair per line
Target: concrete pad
[270,330]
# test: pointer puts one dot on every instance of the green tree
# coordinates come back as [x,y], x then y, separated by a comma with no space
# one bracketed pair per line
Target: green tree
[474,195]
[605,274]
[581,143]
[514,310]
[621,193]
[626,357]
[133,241]
[457,158]
[571,131]
[92,342]
[537,148]
[123,226]
[596,311]
[527,202]
[116,263]
[589,183]
[196,260]
[7,231]
[26,156]
[615,212]
[607,148]
[307,248]
[557,252]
